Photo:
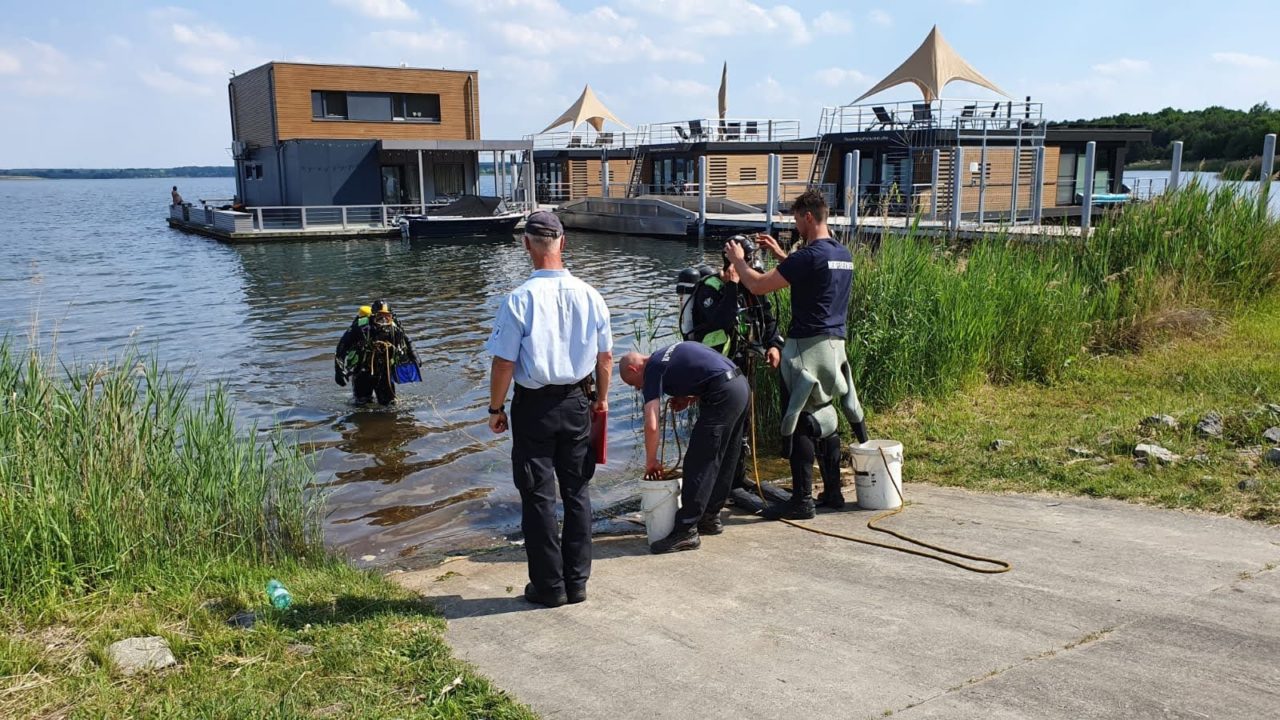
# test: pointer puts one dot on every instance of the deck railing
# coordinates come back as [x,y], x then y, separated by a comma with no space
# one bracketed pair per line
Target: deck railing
[717,130]
[307,217]
[585,140]
[943,114]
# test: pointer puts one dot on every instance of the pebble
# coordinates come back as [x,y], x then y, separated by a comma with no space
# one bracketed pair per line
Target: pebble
[141,654]
[1273,456]
[368,558]
[998,445]
[1079,452]
[1160,421]
[1247,484]
[1210,425]
[1272,435]
[244,619]
[1154,452]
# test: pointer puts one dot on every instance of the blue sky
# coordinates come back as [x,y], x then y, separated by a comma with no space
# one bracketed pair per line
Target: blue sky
[128,83]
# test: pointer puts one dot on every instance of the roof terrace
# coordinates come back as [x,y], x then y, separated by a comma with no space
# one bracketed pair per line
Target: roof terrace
[963,116]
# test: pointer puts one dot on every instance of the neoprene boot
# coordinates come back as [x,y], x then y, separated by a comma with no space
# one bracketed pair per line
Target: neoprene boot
[800,506]
[829,464]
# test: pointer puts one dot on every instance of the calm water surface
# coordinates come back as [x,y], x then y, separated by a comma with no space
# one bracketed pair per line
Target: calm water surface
[93,266]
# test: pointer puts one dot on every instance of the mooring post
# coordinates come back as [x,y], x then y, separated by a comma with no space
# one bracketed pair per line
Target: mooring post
[1268,167]
[933,185]
[604,176]
[855,162]
[1086,206]
[847,196]
[530,190]
[1037,192]
[1175,170]
[957,187]
[771,193]
[1013,186]
[702,196]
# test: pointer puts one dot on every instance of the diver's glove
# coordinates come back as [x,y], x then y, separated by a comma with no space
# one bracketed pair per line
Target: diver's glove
[339,375]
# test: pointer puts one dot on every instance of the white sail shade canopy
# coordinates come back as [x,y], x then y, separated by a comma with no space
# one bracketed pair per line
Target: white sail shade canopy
[586,109]
[931,67]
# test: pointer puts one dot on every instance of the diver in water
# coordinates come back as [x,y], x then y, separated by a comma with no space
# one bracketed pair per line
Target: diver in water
[727,317]
[816,378]
[375,354]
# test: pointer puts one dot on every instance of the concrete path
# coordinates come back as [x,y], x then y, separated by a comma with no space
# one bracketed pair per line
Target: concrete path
[1112,610]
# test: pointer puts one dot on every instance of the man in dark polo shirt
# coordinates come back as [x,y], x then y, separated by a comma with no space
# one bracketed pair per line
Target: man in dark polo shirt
[815,369]
[692,372]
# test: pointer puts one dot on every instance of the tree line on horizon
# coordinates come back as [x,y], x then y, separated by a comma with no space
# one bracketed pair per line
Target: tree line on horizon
[185,171]
[1214,133]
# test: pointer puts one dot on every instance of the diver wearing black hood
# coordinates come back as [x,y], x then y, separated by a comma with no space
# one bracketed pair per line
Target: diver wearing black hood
[369,354]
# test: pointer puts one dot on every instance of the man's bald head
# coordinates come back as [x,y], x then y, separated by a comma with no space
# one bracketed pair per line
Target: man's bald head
[631,368]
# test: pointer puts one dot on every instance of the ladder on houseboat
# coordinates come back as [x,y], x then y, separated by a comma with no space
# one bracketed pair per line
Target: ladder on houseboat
[822,148]
[634,188]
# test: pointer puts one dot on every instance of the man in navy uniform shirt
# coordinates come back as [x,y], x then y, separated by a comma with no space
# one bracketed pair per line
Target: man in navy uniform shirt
[549,335]
[815,369]
[692,372]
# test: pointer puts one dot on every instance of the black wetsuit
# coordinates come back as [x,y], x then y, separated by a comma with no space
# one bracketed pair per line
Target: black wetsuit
[730,319]
[368,354]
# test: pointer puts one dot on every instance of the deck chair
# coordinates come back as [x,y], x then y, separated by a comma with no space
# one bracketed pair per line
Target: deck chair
[604,139]
[967,114]
[753,129]
[921,114]
[883,118]
[995,110]
[695,129]
[575,141]
[684,136]
[734,132]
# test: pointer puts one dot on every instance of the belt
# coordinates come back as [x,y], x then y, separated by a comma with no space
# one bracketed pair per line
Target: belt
[549,390]
[720,378]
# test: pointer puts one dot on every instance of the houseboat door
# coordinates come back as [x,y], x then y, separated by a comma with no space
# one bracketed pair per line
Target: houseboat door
[392,183]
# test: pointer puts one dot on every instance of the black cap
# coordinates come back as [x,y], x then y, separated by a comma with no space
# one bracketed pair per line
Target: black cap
[543,224]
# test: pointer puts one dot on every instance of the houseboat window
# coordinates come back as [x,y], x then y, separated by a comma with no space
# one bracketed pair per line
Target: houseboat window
[1070,168]
[449,178]
[328,104]
[416,106]
[674,175]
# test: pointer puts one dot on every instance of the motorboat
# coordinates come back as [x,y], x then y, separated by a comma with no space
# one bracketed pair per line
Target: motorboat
[467,216]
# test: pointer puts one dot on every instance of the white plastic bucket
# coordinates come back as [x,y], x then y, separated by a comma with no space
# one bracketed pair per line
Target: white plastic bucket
[879,488]
[659,500]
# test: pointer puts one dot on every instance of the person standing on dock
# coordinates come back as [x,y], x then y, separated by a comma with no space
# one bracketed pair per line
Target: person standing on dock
[692,372]
[549,336]
[175,197]
[815,368]
[737,324]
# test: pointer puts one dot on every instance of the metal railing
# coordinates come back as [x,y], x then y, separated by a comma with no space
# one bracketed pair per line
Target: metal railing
[584,139]
[1146,188]
[717,130]
[942,114]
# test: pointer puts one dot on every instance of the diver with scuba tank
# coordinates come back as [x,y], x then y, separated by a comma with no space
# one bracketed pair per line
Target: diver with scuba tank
[375,354]
[719,312]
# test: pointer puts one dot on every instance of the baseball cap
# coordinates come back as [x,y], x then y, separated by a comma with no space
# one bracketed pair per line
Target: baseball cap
[543,224]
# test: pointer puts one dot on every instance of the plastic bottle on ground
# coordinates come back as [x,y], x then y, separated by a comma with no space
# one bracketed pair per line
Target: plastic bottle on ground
[279,595]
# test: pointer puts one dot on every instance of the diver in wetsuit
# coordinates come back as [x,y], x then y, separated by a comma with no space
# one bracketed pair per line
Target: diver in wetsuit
[816,378]
[370,352]
[739,325]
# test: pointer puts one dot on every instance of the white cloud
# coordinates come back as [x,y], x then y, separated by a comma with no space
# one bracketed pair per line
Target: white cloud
[202,65]
[725,18]
[772,92]
[832,23]
[167,82]
[204,37]
[380,9]
[9,64]
[836,77]
[680,88]
[880,17]
[588,42]
[436,40]
[1238,59]
[1123,66]
[609,16]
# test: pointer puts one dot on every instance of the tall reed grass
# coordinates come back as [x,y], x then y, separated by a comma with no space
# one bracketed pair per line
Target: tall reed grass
[927,319]
[111,470]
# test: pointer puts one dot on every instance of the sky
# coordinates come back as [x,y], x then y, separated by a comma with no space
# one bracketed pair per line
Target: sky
[122,83]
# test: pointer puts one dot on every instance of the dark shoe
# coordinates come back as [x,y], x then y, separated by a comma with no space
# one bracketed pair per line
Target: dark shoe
[710,525]
[576,595]
[550,600]
[790,510]
[835,501]
[677,541]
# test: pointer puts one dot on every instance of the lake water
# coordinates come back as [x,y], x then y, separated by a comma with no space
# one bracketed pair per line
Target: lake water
[92,264]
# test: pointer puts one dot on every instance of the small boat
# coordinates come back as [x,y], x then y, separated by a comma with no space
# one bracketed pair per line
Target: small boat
[468,216]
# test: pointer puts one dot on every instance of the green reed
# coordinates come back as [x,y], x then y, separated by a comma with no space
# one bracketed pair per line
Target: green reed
[927,319]
[112,470]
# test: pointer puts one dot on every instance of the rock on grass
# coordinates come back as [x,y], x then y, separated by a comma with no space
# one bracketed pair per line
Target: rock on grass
[1165,421]
[141,654]
[1210,426]
[1150,452]
[1272,435]
[999,445]
[1273,456]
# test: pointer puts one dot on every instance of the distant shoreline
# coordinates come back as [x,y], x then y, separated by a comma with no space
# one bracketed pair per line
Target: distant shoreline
[20,177]
[183,171]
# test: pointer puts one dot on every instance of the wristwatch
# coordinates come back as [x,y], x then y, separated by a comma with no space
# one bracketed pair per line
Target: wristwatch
[498,411]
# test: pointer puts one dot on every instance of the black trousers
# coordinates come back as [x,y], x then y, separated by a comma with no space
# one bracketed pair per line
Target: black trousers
[714,447]
[364,386]
[550,447]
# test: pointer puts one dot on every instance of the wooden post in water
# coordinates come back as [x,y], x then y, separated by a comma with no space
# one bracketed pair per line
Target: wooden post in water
[1086,207]
[933,184]
[1175,170]
[702,196]
[1268,167]
[957,187]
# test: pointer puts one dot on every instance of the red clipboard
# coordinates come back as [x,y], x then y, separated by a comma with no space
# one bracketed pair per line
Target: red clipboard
[600,435]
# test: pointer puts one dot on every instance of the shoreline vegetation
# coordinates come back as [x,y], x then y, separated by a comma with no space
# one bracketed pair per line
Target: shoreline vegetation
[128,509]
[131,507]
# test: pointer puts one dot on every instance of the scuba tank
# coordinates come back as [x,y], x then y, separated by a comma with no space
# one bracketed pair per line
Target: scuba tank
[686,282]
